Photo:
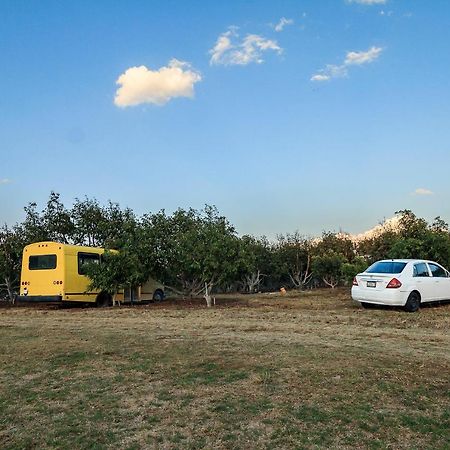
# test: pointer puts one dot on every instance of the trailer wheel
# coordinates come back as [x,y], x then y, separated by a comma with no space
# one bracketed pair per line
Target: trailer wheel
[103,300]
[158,296]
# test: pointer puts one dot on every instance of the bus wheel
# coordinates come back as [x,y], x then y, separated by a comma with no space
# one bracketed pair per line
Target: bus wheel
[158,296]
[103,300]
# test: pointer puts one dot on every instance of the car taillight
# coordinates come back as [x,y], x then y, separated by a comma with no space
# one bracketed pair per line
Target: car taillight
[394,284]
[355,282]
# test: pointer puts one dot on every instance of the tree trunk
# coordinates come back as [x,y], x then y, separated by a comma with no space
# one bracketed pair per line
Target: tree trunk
[207,296]
[330,282]
[300,278]
[253,281]
[9,285]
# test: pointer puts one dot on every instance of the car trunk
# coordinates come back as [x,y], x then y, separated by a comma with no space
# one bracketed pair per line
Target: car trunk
[375,281]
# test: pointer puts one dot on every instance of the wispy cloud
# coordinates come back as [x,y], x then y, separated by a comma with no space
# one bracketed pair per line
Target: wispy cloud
[142,85]
[423,191]
[282,23]
[358,58]
[330,71]
[230,51]
[320,77]
[5,181]
[351,59]
[368,2]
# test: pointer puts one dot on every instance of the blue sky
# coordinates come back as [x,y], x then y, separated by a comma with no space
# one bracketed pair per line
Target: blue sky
[252,130]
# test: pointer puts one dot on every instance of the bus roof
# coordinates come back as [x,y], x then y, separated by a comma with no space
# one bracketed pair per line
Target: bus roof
[52,245]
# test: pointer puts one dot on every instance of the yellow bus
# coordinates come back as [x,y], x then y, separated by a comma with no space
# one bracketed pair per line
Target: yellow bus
[54,273]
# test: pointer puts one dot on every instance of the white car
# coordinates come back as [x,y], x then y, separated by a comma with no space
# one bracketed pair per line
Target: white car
[402,282]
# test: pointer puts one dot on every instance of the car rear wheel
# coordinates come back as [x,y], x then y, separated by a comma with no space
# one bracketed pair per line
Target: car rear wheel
[413,302]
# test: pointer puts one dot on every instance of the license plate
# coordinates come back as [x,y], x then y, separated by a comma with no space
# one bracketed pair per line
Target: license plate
[372,284]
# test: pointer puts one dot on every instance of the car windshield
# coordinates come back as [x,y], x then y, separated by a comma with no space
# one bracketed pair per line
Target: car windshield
[386,267]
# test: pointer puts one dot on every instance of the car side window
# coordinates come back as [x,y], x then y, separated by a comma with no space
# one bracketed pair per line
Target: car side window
[421,270]
[437,271]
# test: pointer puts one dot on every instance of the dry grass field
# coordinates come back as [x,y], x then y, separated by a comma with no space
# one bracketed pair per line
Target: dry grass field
[310,370]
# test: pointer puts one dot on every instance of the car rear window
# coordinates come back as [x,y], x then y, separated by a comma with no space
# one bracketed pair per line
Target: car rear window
[386,267]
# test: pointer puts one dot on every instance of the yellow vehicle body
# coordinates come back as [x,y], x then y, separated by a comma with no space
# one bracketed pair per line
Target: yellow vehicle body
[53,272]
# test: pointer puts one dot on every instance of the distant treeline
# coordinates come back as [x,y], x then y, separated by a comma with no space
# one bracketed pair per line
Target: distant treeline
[189,249]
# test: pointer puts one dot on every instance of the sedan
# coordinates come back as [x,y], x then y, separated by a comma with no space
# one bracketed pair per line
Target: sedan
[402,282]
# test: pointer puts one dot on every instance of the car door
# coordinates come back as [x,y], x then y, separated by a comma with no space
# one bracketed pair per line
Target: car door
[424,282]
[441,281]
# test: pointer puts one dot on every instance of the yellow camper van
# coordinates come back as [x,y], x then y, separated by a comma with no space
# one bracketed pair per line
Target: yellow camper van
[53,272]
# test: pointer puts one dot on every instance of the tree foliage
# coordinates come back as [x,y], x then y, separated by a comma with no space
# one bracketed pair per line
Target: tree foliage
[11,245]
[190,249]
[118,270]
[293,254]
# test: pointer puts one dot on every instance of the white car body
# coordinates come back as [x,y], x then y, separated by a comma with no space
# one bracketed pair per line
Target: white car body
[427,278]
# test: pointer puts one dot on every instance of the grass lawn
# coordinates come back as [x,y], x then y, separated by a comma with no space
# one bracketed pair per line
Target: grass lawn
[310,370]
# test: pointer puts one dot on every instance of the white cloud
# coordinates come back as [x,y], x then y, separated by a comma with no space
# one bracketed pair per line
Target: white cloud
[423,191]
[320,77]
[223,45]
[351,59]
[368,2]
[248,50]
[5,181]
[142,85]
[358,58]
[282,23]
[330,71]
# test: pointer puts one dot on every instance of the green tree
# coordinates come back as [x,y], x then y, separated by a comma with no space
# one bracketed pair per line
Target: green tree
[329,268]
[53,223]
[190,248]
[255,262]
[11,246]
[350,270]
[335,242]
[378,247]
[57,221]
[293,257]
[411,226]
[116,271]
[89,222]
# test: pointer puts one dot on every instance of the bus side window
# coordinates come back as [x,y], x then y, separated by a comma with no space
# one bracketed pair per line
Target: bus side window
[86,258]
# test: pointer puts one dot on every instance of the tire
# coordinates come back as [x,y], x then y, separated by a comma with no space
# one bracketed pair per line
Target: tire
[367,305]
[158,296]
[413,302]
[103,300]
